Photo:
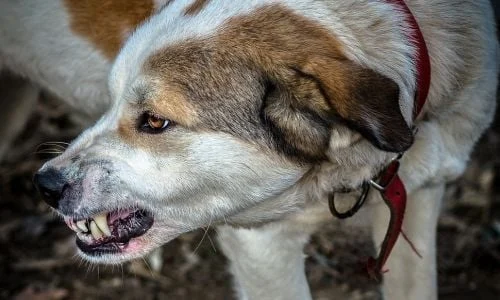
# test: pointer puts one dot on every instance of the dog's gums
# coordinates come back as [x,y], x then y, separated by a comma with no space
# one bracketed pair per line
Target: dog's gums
[110,232]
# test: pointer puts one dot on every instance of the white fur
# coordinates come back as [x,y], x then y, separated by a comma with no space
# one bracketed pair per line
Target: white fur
[37,43]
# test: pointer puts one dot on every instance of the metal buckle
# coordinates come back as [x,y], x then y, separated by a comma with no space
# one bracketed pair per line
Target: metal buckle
[390,172]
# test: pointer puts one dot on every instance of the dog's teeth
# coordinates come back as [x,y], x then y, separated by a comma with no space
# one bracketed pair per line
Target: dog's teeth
[96,232]
[75,228]
[82,225]
[102,222]
[87,238]
[82,236]
[71,224]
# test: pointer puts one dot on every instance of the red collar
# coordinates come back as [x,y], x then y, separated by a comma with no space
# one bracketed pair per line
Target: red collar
[422,60]
[389,184]
[392,187]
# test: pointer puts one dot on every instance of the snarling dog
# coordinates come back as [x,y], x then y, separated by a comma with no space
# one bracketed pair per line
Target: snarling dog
[249,115]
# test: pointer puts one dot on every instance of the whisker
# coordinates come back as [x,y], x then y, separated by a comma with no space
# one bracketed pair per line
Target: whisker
[204,234]
[212,243]
[56,149]
[60,146]
[149,267]
[51,153]
[54,143]
[48,151]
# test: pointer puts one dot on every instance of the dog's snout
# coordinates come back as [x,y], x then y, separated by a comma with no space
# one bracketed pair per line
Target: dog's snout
[50,184]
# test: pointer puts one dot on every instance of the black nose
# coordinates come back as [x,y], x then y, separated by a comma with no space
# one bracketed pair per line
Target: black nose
[50,183]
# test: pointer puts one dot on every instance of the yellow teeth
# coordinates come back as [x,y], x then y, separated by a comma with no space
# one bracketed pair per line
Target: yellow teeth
[82,225]
[97,226]
[96,232]
[102,223]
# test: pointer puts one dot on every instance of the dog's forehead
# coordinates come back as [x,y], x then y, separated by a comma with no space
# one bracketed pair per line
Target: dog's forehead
[185,29]
[170,26]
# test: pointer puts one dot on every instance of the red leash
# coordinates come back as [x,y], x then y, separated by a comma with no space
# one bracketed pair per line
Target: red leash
[390,184]
[393,193]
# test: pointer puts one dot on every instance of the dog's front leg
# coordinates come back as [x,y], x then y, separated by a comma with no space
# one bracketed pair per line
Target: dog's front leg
[267,262]
[410,276]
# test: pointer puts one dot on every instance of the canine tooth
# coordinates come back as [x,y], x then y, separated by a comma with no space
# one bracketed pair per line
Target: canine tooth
[71,224]
[96,232]
[75,228]
[82,225]
[102,222]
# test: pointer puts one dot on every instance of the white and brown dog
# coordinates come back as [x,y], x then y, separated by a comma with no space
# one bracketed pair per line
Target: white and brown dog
[247,115]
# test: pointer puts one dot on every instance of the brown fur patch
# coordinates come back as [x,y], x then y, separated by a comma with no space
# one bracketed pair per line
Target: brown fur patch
[167,103]
[275,76]
[195,8]
[172,104]
[106,23]
[362,98]
[127,129]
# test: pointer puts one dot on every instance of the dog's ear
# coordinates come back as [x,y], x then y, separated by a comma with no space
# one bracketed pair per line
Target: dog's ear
[366,100]
[297,116]
[302,108]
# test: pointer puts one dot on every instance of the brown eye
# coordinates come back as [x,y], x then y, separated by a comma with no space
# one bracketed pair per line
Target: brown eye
[153,123]
[156,122]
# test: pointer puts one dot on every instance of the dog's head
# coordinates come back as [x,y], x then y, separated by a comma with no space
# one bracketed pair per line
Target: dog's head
[230,125]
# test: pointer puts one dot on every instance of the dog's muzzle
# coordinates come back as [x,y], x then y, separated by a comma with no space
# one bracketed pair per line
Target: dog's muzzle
[105,232]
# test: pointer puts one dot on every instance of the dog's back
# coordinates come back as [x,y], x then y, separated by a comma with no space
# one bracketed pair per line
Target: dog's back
[67,47]
[64,47]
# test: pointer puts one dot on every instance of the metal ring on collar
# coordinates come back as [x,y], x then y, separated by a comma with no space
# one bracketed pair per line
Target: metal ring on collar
[351,212]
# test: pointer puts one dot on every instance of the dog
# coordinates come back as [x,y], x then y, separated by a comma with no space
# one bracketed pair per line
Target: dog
[251,115]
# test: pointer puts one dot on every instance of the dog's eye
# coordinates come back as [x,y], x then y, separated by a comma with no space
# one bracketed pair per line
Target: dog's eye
[153,123]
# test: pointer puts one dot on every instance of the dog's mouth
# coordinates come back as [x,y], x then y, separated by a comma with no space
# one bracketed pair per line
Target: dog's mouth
[110,232]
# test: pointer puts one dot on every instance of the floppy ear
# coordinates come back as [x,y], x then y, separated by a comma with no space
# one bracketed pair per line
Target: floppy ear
[365,100]
[301,109]
[297,116]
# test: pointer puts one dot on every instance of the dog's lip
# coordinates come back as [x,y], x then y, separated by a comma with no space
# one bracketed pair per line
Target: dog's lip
[82,223]
[110,232]
[103,248]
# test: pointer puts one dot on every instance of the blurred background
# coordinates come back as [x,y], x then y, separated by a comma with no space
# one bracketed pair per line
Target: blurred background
[37,258]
